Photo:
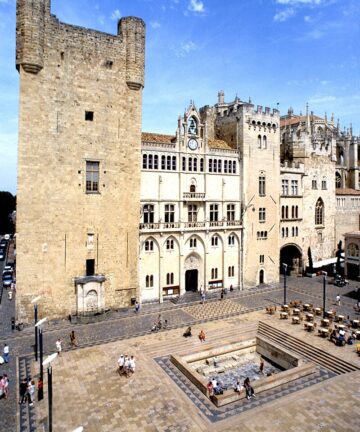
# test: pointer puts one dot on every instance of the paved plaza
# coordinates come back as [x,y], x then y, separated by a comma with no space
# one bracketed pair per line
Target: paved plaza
[89,392]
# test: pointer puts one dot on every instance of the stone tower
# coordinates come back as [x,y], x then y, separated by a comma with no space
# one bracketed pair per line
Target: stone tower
[78,163]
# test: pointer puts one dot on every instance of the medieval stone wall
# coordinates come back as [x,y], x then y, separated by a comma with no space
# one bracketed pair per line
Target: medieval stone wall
[80,100]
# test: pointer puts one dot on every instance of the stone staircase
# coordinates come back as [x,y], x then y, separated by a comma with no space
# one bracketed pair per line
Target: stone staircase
[182,346]
[310,352]
[27,417]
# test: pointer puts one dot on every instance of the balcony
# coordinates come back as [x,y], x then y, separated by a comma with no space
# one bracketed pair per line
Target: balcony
[193,196]
[189,226]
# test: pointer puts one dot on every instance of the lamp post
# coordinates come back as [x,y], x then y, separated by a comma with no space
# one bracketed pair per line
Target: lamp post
[324,292]
[34,301]
[285,270]
[39,326]
[46,362]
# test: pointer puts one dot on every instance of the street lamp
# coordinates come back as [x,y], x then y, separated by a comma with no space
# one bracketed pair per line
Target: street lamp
[34,301]
[39,325]
[285,266]
[48,361]
[324,292]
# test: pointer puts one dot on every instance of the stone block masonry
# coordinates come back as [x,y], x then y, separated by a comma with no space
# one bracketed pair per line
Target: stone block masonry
[78,162]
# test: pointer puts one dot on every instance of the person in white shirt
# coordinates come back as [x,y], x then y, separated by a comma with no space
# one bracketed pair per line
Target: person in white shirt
[6,352]
[58,347]
[121,362]
[132,364]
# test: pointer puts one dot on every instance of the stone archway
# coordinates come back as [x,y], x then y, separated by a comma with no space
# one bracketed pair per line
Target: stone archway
[291,255]
[193,270]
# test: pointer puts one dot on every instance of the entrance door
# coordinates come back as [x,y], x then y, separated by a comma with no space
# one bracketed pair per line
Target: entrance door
[261,277]
[191,280]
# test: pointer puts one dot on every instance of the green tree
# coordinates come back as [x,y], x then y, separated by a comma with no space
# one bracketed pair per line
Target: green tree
[7,206]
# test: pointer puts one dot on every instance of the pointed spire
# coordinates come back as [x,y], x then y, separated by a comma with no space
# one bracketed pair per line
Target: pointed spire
[325,117]
[351,129]
[338,125]
[332,117]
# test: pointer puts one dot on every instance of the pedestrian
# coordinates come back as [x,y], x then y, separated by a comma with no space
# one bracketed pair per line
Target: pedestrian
[137,307]
[121,362]
[202,297]
[73,341]
[31,392]
[262,364]
[5,385]
[222,295]
[23,391]
[202,336]
[249,389]
[58,347]
[338,301]
[6,352]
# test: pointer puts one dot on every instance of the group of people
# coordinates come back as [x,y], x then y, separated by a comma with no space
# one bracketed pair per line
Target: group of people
[27,391]
[188,333]
[339,337]
[159,324]
[215,388]
[126,365]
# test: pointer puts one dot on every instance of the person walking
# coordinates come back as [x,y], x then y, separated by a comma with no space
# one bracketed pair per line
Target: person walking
[338,300]
[73,342]
[23,391]
[137,307]
[203,297]
[58,347]
[6,353]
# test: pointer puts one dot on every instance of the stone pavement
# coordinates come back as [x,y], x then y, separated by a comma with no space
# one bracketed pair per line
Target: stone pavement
[89,392]
[123,325]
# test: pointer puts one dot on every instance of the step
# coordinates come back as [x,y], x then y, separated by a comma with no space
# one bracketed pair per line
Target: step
[312,353]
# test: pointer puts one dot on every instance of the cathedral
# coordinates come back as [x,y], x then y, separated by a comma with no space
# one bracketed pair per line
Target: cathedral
[108,214]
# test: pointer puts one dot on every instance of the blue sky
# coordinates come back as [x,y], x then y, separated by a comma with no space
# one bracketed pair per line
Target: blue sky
[275,51]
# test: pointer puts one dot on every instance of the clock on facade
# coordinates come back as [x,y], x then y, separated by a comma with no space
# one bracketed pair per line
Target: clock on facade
[192,144]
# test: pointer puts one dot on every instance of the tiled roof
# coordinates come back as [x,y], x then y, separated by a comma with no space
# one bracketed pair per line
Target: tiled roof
[289,121]
[347,191]
[219,144]
[157,138]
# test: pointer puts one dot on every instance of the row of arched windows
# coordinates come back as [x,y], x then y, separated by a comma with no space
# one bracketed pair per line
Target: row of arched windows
[285,232]
[193,164]
[169,244]
[285,212]
[150,161]
[216,166]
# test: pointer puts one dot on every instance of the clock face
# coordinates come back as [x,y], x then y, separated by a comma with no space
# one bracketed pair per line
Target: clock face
[192,144]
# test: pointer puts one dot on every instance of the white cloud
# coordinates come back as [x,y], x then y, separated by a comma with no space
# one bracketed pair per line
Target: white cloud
[322,99]
[185,48]
[284,15]
[196,6]
[116,14]
[155,24]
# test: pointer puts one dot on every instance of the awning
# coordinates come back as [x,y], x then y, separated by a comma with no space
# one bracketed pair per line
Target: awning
[326,262]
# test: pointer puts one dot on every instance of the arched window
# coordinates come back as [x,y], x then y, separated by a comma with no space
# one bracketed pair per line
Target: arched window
[192,188]
[264,142]
[259,141]
[201,164]
[163,165]
[144,161]
[234,167]
[156,162]
[319,212]
[173,163]
[149,245]
[168,163]
[150,161]
[195,164]
[214,240]
[262,185]
[337,180]
[353,250]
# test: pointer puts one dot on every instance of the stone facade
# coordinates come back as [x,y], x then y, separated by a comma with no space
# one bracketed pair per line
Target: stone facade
[78,196]
[318,161]
[205,224]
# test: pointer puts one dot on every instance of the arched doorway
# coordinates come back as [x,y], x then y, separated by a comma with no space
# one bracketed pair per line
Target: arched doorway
[261,277]
[192,267]
[291,256]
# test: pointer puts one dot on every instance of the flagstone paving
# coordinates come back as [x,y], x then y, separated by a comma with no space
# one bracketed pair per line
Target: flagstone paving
[89,392]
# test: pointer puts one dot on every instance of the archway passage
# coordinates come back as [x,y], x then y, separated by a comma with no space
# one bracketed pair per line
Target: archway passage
[191,280]
[291,255]
[261,277]
[352,271]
